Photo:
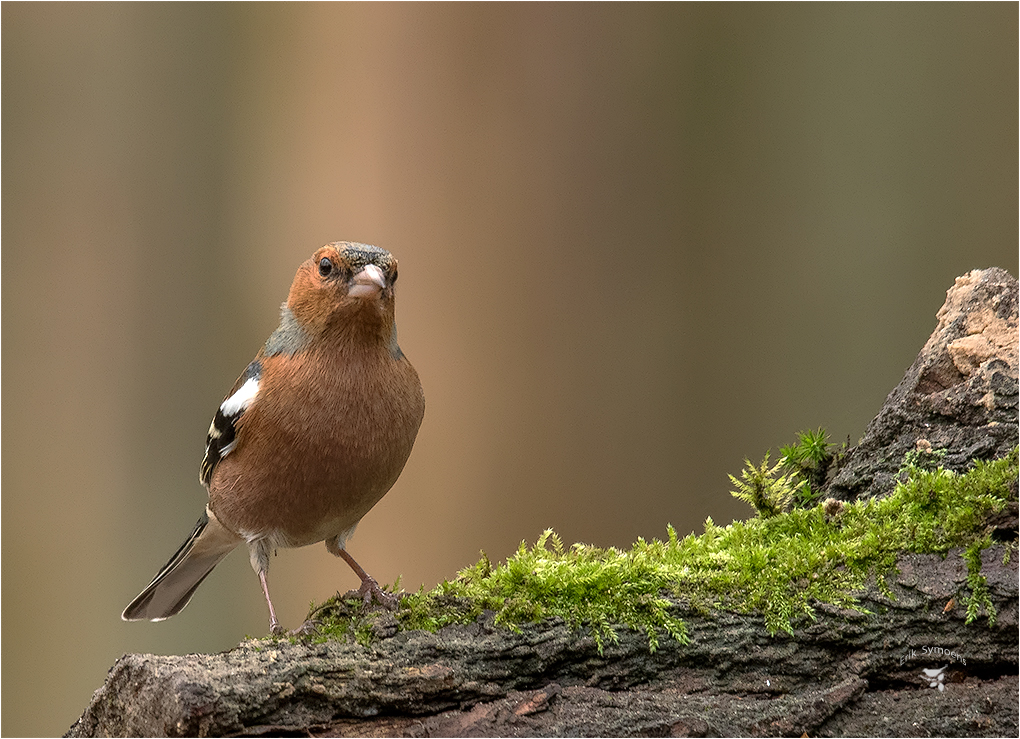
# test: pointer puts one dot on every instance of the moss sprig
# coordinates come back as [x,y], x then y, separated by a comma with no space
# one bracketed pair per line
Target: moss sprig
[764,489]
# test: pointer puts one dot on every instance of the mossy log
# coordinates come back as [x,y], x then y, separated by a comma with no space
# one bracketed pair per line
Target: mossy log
[908,665]
[845,674]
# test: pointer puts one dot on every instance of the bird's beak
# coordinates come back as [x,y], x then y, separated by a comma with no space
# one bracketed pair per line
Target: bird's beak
[368,283]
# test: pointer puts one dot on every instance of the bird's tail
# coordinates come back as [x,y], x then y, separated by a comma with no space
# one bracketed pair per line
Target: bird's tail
[174,585]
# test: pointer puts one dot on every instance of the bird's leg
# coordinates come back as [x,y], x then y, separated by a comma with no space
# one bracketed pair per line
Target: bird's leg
[258,554]
[369,587]
[274,625]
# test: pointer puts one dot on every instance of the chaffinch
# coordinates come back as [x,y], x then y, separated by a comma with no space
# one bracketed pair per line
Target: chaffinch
[312,435]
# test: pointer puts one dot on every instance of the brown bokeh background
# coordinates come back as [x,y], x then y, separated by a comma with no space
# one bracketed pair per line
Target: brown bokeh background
[637,243]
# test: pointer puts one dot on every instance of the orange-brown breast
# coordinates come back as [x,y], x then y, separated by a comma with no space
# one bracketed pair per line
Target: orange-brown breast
[311,467]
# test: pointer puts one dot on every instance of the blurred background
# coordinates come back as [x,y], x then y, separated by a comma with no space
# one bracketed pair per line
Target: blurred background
[637,244]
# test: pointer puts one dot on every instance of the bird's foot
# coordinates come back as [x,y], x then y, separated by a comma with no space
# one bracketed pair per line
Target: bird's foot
[370,591]
[309,627]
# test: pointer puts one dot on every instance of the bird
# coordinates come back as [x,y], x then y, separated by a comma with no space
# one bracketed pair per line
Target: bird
[311,436]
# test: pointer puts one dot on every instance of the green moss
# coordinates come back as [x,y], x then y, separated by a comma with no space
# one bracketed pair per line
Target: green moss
[779,566]
[764,489]
[978,599]
[808,460]
[925,458]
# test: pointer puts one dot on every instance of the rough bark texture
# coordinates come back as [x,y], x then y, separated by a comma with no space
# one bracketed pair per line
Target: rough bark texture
[847,673]
[960,394]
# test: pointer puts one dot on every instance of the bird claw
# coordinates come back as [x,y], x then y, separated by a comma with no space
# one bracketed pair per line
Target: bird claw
[370,591]
[309,627]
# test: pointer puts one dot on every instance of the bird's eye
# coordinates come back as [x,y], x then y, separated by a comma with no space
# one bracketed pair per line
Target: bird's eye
[325,267]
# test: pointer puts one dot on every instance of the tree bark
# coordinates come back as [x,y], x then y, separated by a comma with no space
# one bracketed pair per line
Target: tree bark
[847,673]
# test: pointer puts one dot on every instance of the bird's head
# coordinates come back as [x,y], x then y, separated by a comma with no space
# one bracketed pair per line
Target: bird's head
[345,285]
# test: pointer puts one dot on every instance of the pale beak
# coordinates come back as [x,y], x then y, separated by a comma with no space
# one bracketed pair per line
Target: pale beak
[368,283]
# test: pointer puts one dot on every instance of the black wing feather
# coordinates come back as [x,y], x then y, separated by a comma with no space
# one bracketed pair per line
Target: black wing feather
[223,429]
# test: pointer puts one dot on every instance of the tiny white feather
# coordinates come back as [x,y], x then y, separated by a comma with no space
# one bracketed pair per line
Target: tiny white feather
[241,399]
